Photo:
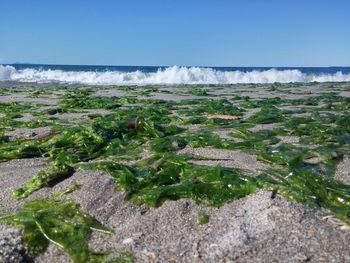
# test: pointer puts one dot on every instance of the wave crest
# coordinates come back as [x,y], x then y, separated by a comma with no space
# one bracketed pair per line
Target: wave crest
[170,75]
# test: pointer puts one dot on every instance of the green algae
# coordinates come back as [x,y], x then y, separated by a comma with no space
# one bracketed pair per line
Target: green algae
[14,110]
[72,188]
[268,114]
[111,137]
[54,172]
[89,102]
[128,131]
[203,218]
[105,136]
[18,150]
[198,92]
[170,176]
[302,185]
[84,99]
[62,223]
[211,106]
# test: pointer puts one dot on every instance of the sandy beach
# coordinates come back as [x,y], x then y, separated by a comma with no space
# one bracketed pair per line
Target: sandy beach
[253,132]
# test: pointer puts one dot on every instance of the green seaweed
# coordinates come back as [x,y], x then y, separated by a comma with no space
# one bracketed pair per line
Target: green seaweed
[268,114]
[169,176]
[19,150]
[62,223]
[203,218]
[83,99]
[211,106]
[72,188]
[302,185]
[54,172]
[105,136]
[198,92]
[303,172]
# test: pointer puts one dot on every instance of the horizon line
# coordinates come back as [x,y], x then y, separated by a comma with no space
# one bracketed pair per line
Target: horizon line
[164,66]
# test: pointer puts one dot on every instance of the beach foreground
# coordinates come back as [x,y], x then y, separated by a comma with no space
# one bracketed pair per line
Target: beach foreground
[243,173]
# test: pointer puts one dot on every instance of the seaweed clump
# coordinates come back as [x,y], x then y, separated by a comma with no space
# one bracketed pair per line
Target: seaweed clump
[55,171]
[203,218]
[62,223]
[170,176]
[105,136]
[268,114]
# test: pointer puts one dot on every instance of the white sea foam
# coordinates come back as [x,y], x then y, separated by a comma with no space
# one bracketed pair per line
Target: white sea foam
[170,75]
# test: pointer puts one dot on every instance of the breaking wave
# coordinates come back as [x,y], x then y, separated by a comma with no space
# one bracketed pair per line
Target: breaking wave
[170,75]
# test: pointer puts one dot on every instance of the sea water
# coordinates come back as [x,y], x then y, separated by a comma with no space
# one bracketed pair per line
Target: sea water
[141,75]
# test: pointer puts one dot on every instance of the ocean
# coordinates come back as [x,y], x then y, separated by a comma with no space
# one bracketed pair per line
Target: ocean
[173,75]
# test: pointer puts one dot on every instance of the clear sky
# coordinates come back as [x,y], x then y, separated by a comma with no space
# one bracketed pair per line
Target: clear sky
[176,32]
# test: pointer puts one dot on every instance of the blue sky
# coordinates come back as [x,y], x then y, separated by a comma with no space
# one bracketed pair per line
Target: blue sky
[176,32]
